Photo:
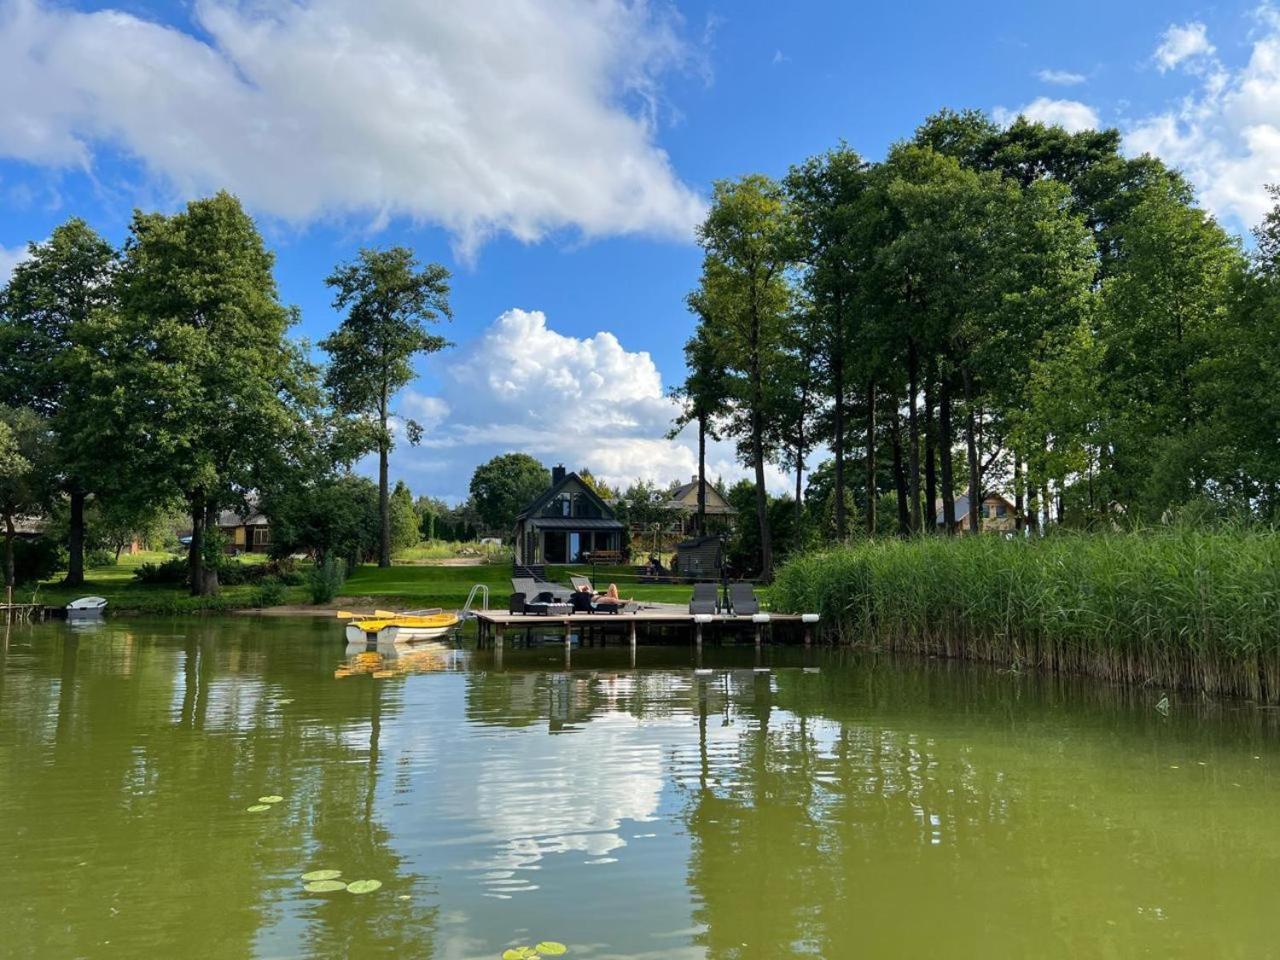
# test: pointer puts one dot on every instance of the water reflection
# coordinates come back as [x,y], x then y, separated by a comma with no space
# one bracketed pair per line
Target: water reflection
[801,805]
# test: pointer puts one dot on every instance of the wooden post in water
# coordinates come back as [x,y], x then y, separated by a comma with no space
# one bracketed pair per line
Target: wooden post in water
[633,643]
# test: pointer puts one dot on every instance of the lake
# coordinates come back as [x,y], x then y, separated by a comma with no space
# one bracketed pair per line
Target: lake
[800,804]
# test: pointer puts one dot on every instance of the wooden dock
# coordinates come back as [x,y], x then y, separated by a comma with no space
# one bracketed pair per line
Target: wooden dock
[670,624]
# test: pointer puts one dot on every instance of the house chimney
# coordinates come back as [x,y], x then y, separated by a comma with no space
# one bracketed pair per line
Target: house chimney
[557,473]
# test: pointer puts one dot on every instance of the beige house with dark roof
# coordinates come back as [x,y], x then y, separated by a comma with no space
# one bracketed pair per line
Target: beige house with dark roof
[684,503]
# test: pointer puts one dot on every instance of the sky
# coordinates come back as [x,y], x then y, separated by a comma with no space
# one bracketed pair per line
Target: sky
[557,156]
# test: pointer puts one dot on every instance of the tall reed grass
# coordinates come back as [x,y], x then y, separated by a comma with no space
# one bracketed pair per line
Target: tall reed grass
[1197,609]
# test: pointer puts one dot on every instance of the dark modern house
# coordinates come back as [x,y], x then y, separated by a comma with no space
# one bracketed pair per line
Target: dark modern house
[567,523]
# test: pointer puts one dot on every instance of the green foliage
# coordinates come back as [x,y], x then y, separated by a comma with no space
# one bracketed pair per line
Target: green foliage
[1176,606]
[335,516]
[100,557]
[326,579]
[171,571]
[405,524]
[37,559]
[504,486]
[270,592]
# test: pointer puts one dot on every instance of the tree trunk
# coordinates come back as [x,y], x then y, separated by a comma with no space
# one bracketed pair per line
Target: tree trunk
[837,374]
[913,433]
[1019,519]
[75,539]
[9,534]
[872,494]
[930,460]
[947,445]
[1033,511]
[702,475]
[797,538]
[899,475]
[971,441]
[762,499]
[209,583]
[195,552]
[384,494]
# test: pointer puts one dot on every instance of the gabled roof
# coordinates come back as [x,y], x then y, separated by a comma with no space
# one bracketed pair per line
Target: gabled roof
[685,489]
[552,491]
[962,504]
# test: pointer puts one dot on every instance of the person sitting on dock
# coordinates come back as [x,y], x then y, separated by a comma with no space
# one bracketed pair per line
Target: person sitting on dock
[611,596]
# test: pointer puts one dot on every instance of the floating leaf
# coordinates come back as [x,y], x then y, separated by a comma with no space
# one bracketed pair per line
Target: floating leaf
[271,798]
[520,953]
[325,886]
[258,807]
[321,875]
[549,948]
[363,886]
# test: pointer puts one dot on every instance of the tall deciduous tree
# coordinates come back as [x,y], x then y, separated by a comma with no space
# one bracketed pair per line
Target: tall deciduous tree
[24,449]
[748,240]
[504,486]
[704,401]
[389,299]
[204,371]
[53,310]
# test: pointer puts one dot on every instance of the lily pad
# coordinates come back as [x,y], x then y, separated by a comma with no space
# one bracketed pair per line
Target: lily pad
[272,798]
[520,953]
[363,886]
[549,948]
[321,875]
[258,807]
[325,886]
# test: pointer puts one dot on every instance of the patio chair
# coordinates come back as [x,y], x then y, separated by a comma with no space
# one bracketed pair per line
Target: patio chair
[742,599]
[704,599]
[580,583]
[516,603]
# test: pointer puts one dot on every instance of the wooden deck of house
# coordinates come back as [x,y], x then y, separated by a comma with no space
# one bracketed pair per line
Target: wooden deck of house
[663,624]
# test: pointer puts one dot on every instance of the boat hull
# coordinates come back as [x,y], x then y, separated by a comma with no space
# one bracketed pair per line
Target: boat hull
[395,634]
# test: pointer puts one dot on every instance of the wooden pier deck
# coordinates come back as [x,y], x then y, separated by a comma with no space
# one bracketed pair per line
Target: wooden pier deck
[495,625]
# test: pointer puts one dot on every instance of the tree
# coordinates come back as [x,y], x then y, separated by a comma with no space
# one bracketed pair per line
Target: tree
[335,516]
[53,309]
[744,296]
[209,393]
[703,400]
[388,301]
[504,486]
[405,528]
[24,447]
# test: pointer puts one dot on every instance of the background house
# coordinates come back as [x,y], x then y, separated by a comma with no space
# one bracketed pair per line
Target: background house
[567,523]
[998,514]
[684,504]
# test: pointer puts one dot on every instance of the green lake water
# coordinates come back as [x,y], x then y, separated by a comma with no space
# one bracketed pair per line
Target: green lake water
[802,804]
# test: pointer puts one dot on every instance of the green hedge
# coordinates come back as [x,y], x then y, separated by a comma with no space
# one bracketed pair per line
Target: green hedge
[1188,608]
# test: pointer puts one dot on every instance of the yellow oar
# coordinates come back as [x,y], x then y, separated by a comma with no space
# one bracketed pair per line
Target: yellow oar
[384,614]
[346,615]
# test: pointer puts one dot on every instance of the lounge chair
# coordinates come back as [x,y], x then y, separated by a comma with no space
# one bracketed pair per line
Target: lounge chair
[704,599]
[535,589]
[580,583]
[742,599]
[516,603]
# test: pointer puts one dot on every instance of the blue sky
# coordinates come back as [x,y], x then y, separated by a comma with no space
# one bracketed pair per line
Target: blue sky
[555,155]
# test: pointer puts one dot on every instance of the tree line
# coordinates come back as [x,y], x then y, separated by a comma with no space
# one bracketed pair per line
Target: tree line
[162,376]
[987,308]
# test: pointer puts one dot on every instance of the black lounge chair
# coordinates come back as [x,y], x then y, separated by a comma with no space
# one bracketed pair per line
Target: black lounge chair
[516,603]
[742,599]
[704,599]
[536,589]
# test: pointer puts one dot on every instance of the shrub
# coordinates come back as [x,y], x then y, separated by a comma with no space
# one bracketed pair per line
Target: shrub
[37,559]
[326,579]
[172,571]
[270,592]
[101,557]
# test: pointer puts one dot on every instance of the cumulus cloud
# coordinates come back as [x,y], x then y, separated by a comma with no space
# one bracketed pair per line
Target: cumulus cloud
[10,257]
[1226,135]
[1061,78]
[523,116]
[1072,115]
[1183,44]
[582,401]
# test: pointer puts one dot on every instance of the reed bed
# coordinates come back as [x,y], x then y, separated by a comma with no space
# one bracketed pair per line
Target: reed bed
[1191,609]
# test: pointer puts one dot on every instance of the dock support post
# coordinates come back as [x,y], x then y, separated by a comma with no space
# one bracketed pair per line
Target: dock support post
[808,635]
[633,642]
[697,635]
[759,635]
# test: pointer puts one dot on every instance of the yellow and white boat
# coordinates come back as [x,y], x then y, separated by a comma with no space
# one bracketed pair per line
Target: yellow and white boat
[388,627]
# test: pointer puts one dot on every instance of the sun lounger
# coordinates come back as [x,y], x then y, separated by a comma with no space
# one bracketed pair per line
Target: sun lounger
[580,583]
[535,589]
[742,600]
[704,599]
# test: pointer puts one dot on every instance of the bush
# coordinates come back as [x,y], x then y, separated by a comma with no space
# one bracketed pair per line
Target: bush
[100,557]
[270,592]
[34,560]
[326,579]
[172,571]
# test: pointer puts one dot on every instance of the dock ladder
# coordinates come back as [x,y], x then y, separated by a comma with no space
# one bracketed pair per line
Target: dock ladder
[480,589]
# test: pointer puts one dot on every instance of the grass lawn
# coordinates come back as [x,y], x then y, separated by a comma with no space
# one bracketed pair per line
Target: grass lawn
[124,593]
[415,587]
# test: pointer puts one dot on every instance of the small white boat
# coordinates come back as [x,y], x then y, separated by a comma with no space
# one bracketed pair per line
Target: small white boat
[401,627]
[86,608]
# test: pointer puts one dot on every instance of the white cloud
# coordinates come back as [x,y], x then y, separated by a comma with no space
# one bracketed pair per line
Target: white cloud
[582,401]
[1183,44]
[1226,135]
[1061,78]
[1072,115]
[524,116]
[10,257]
